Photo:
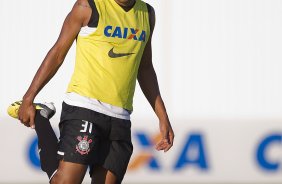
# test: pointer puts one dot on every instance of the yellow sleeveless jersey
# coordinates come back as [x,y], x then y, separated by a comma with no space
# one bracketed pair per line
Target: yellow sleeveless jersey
[107,60]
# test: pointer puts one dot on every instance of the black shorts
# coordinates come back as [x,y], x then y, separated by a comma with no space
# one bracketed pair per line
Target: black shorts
[91,138]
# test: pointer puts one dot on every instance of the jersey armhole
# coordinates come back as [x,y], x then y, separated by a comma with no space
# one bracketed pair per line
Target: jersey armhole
[94,19]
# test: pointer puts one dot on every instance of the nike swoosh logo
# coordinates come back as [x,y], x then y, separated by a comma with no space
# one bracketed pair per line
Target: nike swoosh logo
[112,54]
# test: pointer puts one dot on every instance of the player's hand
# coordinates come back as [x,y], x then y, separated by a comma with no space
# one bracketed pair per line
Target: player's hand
[167,136]
[26,114]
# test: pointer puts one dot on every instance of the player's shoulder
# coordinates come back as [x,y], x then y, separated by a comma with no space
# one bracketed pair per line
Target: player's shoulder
[86,2]
[83,3]
[152,16]
[150,8]
[80,12]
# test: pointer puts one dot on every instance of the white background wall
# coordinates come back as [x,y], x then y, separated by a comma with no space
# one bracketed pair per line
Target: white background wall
[219,67]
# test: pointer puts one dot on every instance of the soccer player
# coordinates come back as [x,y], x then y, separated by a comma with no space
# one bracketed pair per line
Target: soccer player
[113,40]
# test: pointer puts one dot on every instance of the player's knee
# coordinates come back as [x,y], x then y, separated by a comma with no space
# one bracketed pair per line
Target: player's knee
[60,178]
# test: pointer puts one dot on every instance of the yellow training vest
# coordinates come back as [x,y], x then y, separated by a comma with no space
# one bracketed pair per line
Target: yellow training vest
[108,59]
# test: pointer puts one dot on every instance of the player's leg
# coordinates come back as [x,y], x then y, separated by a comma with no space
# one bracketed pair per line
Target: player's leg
[75,147]
[101,175]
[117,151]
[47,145]
[47,140]
[79,141]
[69,173]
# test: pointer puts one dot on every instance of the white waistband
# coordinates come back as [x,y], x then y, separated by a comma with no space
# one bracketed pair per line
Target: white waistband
[75,99]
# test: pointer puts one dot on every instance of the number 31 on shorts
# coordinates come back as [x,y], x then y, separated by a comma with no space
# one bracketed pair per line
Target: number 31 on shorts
[86,126]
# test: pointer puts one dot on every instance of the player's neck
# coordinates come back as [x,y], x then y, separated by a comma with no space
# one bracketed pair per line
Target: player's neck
[126,4]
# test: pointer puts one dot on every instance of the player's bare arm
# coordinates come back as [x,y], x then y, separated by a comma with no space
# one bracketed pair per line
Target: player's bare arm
[149,84]
[77,18]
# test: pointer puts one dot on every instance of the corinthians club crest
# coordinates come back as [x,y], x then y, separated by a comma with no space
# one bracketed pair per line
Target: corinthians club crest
[83,146]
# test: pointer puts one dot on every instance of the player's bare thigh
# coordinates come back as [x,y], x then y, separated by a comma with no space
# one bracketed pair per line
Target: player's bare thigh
[69,173]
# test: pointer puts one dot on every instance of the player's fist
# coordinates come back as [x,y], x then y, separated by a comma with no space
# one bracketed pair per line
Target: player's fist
[167,136]
[26,114]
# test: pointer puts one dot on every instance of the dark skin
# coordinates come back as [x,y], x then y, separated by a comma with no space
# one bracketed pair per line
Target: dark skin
[77,18]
